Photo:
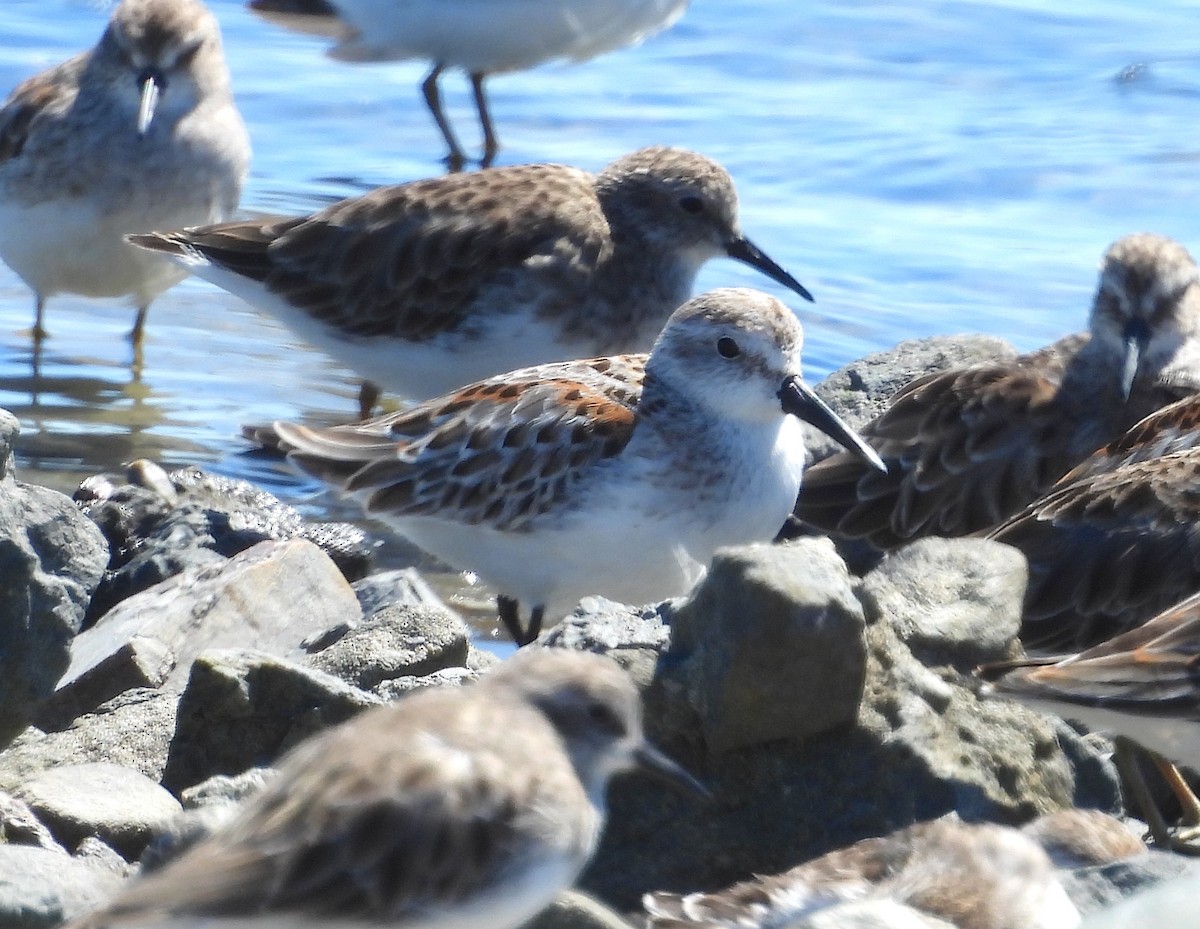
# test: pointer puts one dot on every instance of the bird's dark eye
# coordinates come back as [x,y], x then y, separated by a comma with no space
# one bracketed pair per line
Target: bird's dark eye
[605,718]
[691,205]
[727,347]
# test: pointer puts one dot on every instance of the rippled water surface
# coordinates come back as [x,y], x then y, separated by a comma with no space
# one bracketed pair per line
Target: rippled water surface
[923,167]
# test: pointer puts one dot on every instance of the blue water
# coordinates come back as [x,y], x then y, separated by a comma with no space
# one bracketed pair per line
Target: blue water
[926,167]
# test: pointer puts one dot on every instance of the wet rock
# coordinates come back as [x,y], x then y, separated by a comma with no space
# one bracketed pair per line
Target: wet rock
[268,597]
[397,641]
[134,730]
[117,805]
[51,560]
[243,709]
[40,888]
[159,525]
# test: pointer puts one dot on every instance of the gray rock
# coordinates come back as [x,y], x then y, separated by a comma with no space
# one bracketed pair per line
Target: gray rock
[20,826]
[40,889]
[397,641]
[120,806]
[770,629]
[399,587]
[860,390]
[599,624]
[268,597]
[951,601]
[394,688]
[206,807]
[93,851]
[159,525]
[134,730]
[243,709]
[918,744]
[51,559]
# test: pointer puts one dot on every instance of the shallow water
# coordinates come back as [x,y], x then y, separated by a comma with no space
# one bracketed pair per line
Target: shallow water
[923,168]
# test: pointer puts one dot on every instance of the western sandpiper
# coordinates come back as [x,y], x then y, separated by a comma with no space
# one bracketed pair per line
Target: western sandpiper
[618,476]
[479,38]
[454,806]
[973,875]
[139,133]
[1108,551]
[433,284]
[968,448]
[1141,684]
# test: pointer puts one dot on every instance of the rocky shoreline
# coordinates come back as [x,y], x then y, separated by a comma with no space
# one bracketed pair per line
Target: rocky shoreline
[167,638]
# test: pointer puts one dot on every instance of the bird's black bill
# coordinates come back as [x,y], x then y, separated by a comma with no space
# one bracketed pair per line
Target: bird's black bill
[799,400]
[742,249]
[662,768]
[1136,334]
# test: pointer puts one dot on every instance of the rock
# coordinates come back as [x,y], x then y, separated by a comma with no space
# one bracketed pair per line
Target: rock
[394,688]
[918,742]
[133,730]
[397,641]
[600,624]
[574,910]
[19,825]
[41,889]
[399,587]
[268,597]
[159,525]
[859,391]
[243,709]
[118,805]
[951,601]
[771,628]
[51,560]
[206,807]
[94,852]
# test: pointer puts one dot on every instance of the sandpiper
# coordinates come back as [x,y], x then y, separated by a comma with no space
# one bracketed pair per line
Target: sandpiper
[617,476]
[466,806]
[967,448]
[433,284]
[139,133]
[480,38]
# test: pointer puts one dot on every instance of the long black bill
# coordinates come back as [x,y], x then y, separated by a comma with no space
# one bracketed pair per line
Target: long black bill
[151,84]
[799,400]
[662,768]
[742,249]
[1137,334]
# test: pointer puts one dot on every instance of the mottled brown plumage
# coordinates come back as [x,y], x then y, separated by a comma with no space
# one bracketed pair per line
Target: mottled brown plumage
[966,449]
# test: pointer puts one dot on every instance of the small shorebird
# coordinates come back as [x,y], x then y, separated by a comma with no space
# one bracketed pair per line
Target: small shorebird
[429,285]
[1142,685]
[465,807]
[617,476]
[139,133]
[965,449]
[480,38]
[972,875]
